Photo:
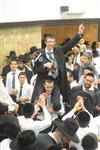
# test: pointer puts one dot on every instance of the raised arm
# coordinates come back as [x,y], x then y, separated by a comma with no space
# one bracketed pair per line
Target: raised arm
[68,46]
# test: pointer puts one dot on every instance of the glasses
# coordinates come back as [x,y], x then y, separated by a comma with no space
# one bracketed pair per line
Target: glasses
[89,80]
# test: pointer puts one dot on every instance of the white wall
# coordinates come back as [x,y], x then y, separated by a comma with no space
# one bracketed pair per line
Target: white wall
[34,10]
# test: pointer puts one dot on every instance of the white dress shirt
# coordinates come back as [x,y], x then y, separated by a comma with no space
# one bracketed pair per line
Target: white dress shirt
[5,144]
[9,80]
[54,114]
[27,91]
[5,98]
[81,132]
[36,126]
[97,121]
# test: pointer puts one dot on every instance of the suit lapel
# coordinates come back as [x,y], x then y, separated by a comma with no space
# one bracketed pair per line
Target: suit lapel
[56,54]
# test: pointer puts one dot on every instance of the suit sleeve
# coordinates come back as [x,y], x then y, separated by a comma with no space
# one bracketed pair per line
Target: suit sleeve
[68,46]
[39,68]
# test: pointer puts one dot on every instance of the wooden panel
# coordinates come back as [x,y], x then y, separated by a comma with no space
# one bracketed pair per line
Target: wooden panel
[63,31]
[19,38]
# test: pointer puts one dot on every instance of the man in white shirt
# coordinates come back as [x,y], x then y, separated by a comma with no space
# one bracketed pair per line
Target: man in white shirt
[12,81]
[25,90]
[26,121]
[85,120]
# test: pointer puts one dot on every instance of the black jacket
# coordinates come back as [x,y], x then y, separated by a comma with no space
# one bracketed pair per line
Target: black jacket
[59,56]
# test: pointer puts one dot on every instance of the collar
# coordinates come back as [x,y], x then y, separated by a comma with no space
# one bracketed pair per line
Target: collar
[47,51]
[90,89]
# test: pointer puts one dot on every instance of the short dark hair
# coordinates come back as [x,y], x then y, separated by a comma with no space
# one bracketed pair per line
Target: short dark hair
[48,79]
[90,74]
[88,68]
[11,126]
[21,73]
[27,110]
[89,141]
[49,36]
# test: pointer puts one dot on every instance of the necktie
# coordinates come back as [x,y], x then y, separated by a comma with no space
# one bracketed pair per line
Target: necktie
[50,55]
[13,81]
[54,70]
[59,146]
[20,93]
[87,90]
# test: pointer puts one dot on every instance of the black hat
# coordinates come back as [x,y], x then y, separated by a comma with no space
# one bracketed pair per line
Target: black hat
[33,49]
[12,55]
[21,58]
[88,100]
[68,128]
[24,141]
[83,118]
[28,109]
[27,57]
[89,141]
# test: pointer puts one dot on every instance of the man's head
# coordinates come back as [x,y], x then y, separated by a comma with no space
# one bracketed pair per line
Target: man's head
[76,49]
[88,80]
[87,70]
[67,129]
[83,119]
[89,142]
[50,41]
[22,77]
[11,126]
[21,62]
[28,110]
[48,84]
[24,141]
[86,58]
[13,65]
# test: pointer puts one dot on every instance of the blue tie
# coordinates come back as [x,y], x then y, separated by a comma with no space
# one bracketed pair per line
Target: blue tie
[13,81]
[20,93]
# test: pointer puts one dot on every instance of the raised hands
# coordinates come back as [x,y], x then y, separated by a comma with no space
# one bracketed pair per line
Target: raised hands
[79,105]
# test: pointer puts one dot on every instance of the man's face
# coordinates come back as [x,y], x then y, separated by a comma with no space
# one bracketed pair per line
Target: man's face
[22,79]
[20,65]
[88,80]
[50,43]
[13,66]
[48,87]
[64,140]
[84,59]
[75,50]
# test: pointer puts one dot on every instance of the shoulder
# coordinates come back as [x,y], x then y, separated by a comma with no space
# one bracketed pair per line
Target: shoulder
[77,87]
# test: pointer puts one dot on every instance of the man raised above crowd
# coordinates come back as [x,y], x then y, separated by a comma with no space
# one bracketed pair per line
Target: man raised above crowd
[51,61]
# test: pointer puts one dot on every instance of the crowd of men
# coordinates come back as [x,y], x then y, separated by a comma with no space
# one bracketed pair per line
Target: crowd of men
[49,97]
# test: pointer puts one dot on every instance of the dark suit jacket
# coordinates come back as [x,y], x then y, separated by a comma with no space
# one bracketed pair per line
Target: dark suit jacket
[92,100]
[45,142]
[59,55]
[29,74]
[5,70]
